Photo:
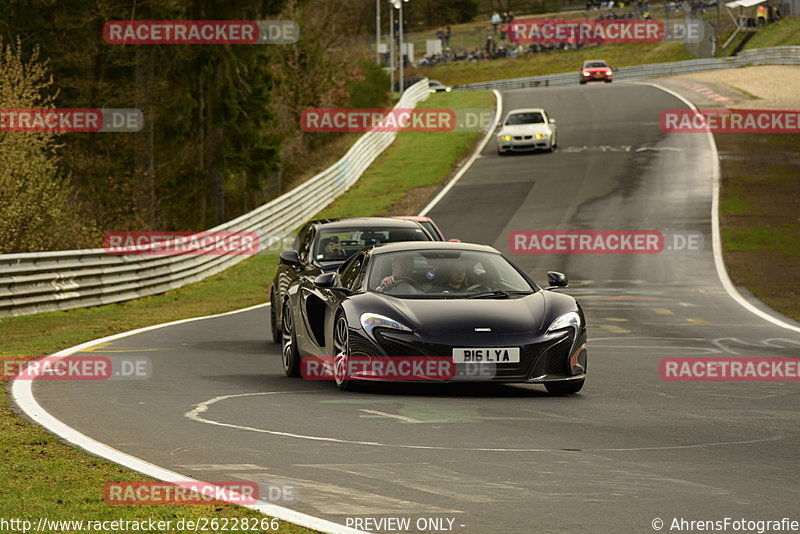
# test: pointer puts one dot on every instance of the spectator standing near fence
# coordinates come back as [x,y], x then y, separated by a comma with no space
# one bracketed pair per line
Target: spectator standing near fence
[495,20]
[447,33]
[761,13]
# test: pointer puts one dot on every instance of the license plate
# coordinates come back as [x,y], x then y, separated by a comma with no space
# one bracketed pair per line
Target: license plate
[486,355]
[598,75]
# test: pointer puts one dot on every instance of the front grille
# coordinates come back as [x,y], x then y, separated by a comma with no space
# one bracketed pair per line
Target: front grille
[521,137]
[558,358]
[395,348]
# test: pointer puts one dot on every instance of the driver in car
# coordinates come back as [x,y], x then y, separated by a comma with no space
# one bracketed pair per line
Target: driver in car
[331,249]
[400,281]
[456,279]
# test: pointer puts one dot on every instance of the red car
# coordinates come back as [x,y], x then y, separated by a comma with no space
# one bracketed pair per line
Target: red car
[596,70]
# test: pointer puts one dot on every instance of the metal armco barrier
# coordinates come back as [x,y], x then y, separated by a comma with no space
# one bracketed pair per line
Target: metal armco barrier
[40,282]
[778,55]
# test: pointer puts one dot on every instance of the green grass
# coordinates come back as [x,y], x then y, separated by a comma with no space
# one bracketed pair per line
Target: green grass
[415,159]
[759,207]
[785,32]
[619,55]
[42,477]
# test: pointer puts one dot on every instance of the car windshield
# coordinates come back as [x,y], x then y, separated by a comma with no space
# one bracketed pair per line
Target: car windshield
[460,274]
[533,117]
[338,244]
[595,65]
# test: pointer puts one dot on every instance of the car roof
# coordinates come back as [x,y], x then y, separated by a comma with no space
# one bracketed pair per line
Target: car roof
[365,222]
[595,61]
[525,110]
[416,218]
[408,246]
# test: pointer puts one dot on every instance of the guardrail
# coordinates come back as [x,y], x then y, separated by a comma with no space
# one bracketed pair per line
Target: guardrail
[778,55]
[49,281]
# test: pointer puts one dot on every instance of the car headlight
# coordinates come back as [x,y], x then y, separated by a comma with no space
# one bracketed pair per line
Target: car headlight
[568,320]
[542,135]
[608,73]
[449,89]
[505,137]
[586,73]
[369,321]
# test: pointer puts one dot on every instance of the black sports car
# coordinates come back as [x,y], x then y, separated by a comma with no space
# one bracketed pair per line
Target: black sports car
[324,244]
[463,303]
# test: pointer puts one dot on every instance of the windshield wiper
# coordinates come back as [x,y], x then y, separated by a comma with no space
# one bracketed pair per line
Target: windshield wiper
[497,294]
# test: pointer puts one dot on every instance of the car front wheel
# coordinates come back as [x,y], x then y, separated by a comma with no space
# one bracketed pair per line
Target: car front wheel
[274,310]
[290,356]
[341,358]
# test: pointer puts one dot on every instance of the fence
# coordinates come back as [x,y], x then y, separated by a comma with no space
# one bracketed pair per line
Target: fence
[49,281]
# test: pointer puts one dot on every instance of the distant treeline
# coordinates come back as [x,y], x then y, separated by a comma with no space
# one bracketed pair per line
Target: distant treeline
[221,131]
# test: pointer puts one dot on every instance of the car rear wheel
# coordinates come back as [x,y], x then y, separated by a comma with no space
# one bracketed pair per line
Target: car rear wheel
[567,387]
[290,357]
[274,310]
[341,359]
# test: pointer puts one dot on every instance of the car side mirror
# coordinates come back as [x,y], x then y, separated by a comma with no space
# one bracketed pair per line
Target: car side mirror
[290,257]
[328,281]
[556,279]
[454,240]
[552,120]
[325,280]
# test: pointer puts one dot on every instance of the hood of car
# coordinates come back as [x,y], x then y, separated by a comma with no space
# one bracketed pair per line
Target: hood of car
[525,129]
[513,315]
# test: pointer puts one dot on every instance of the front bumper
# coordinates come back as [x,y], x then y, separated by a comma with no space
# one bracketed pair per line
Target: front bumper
[596,78]
[554,357]
[524,145]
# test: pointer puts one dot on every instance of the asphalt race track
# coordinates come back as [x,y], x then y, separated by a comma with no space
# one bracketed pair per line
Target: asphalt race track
[629,448]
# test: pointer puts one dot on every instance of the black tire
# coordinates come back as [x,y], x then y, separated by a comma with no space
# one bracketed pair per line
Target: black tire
[566,387]
[582,82]
[274,310]
[341,358]
[608,81]
[290,357]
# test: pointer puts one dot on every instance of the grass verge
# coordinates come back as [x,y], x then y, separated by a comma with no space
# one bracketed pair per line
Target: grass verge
[40,476]
[759,216]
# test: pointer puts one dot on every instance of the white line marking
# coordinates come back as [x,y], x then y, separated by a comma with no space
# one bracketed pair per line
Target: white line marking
[475,155]
[393,416]
[22,393]
[722,273]
[203,407]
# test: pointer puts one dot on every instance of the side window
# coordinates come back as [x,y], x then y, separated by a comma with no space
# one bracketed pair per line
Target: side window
[353,272]
[304,249]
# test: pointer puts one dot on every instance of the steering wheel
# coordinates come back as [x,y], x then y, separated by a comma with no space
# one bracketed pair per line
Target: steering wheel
[410,281]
